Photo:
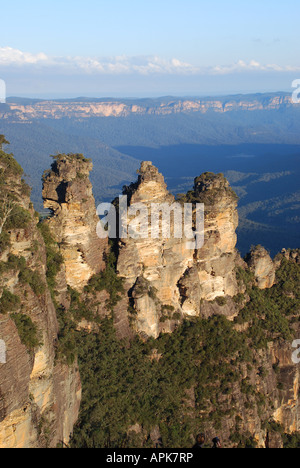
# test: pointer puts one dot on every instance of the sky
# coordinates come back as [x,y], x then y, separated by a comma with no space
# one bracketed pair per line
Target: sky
[138,48]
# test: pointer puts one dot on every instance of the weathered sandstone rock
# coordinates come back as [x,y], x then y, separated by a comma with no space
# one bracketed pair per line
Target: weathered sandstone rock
[67,192]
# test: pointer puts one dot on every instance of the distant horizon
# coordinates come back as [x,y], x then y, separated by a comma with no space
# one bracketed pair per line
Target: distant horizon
[146,96]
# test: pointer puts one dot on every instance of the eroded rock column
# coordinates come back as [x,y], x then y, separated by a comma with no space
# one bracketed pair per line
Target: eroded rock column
[67,192]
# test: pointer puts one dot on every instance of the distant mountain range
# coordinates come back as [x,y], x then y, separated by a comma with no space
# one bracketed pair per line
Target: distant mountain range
[253,139]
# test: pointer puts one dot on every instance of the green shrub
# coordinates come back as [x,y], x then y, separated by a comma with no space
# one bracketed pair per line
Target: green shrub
[239,299]
[27,330]
[168,313]
[71,157]
[19,218]
[266,313]
[34,280]
[243,441]
[26,191]
[221,301]
[54,258]
[176,316]
[291,440]
[46,233]
[66,350]
[152,293]
[4,241]
[12,168]
[245,278]
[79,309]
[16,263]
[8,302]
[109,281]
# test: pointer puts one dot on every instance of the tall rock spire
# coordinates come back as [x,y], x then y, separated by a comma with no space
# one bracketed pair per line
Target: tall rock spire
[67,192]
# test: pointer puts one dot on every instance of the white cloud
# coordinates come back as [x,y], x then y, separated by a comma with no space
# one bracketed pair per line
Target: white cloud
[115,65]
[9,56]
[253,65]
[146,65]
[122,65]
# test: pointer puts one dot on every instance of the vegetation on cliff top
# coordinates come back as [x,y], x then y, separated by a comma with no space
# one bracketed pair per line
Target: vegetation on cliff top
[9,166]
[71,157]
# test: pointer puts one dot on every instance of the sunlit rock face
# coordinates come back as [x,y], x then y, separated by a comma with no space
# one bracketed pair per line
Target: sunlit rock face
[67,192]
[179,278]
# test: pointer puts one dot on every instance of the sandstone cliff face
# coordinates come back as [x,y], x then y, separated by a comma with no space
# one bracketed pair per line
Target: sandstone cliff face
[39,397]
[164,277]
[67,192]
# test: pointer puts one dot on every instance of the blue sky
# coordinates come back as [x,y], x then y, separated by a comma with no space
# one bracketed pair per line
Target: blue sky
[142,48]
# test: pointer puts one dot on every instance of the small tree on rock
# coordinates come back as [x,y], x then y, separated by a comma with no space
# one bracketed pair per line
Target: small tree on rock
[3,141]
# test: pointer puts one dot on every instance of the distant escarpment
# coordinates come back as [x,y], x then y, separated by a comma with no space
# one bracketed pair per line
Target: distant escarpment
[83,109]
